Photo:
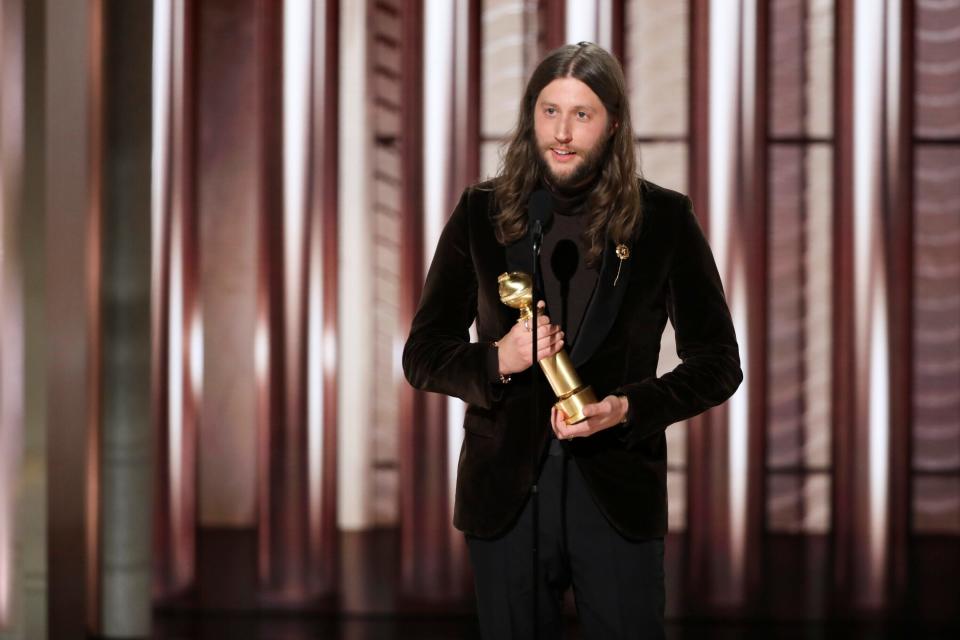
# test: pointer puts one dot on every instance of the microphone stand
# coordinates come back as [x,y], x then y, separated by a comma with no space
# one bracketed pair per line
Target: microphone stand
[535,406]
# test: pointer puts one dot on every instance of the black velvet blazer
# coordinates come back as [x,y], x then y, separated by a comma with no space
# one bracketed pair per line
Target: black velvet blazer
[670,273]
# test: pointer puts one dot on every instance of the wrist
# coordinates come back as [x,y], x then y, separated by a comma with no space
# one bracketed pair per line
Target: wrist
[504,377]
[624,409]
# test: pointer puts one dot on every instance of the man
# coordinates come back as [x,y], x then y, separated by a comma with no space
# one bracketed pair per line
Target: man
[620,256]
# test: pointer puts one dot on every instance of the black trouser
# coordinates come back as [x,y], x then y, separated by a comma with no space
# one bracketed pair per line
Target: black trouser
[617,583]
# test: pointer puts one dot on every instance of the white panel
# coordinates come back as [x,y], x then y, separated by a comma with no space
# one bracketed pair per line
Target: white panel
[871,358]
[355,278]
[725,43]
[581,21]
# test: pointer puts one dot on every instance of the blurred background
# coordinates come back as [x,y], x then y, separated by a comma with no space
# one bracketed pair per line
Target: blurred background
[216,218]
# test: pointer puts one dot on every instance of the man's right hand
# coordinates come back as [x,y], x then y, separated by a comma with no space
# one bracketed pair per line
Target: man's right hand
[514,348]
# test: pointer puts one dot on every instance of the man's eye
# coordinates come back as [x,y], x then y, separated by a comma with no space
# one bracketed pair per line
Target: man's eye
[582,115]
[550,111]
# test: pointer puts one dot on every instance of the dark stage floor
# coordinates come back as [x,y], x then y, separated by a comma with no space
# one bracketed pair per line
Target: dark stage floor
[250,627]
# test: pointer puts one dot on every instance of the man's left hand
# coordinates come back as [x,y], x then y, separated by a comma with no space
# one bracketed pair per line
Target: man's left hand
[607,413]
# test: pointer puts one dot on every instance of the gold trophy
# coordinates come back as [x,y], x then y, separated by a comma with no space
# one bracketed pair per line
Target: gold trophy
[516,291]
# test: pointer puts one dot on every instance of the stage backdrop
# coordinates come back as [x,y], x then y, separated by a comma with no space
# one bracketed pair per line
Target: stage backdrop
[216,220]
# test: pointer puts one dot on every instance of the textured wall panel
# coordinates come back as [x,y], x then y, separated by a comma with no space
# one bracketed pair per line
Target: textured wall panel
[664,163]
[819,68]
[657,66]
[936,394]
[785,400]
[937,96]
[509,36]
[386,184]
[787,67]
[818,312]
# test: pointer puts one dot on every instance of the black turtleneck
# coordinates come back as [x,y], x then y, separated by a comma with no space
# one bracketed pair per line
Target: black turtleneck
[567,280]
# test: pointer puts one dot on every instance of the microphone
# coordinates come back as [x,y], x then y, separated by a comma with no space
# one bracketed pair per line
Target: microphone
[540,210]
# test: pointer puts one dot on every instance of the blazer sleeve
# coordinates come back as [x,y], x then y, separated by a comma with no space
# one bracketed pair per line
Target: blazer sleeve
[438,355]
[709,371]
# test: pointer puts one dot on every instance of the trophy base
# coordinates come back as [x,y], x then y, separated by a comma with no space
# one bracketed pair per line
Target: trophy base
[572,406]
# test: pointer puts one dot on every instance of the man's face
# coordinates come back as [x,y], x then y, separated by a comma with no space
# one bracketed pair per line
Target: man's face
[571,127]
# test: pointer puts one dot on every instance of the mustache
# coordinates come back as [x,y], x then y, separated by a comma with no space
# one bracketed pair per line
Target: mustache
[590,163]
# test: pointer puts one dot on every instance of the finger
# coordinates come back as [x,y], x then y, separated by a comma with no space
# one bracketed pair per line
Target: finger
[548,350]
[554,347]
[597,408]
[547,333]
[542,320]
[589,425]
[580,429]
[547,339]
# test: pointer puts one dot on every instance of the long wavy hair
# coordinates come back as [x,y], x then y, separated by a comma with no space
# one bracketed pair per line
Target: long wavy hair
[613,206]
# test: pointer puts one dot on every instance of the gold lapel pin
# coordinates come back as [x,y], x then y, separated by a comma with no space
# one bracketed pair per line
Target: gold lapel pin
[623,252]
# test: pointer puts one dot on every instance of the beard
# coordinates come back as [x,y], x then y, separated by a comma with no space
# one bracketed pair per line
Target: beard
[583,174]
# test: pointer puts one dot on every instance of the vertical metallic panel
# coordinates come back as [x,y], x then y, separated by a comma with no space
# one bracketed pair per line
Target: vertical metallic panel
[283,452]
[296,514]
[898,227]
[161,109]
[177,322]
[465,143]
[738,238]
[753,229]
[11,310]
[464,152]
[425,510]
[72,207]
[871,357]
[618,29]
[698,539]
[728,513]
[580,21]
[440,81]
[323,302]
[871,410]
[843,447]
[355,319]
[227,192]
[94,259]
[551,24]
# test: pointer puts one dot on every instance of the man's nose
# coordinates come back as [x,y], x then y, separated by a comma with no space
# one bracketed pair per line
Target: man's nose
[562,132]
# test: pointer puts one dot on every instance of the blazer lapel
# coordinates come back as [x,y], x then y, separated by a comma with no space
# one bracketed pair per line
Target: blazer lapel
[603,307]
